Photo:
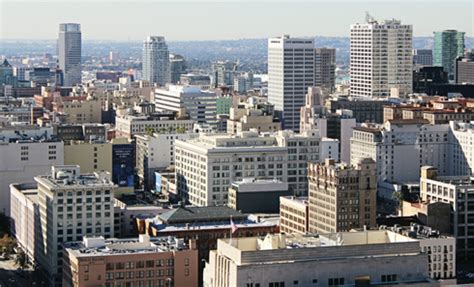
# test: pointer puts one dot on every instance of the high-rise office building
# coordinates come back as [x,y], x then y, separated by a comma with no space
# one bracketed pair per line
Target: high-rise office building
[290,73]
[177,67]
[422,57]
[342,197]
[448,45]
[156,62]
[325,68]
[69,53]
[381,58]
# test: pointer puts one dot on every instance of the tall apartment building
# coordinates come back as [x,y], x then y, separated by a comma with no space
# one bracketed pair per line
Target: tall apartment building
[328,260]
[71,205]
[206,166]
[342,197]
[156,62]
[448,45]
[69,53]
[380,58]
[21,160]
[458,191]
[198,105]
[294,214]
[290,73]
[401,147]
[142,261]
[422,57]
[325,68]
[79,111]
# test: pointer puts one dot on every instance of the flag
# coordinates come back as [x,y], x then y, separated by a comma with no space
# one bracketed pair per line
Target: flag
[233,227]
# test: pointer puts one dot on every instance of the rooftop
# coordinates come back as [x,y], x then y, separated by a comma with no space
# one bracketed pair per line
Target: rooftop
[191,214]
[69,176]
[98,246]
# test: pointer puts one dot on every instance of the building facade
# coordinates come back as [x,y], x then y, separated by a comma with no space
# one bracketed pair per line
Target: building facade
[156,62]
[330,260]
[342,197]
[290,73]
[325,68]
[294,214]
[71,205]
[198,105]
[141,261]
[380,58]
[422,57]
[70,52]
[448,45]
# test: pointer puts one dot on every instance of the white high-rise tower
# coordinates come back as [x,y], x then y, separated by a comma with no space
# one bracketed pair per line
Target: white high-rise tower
[156,62]
[290,73]
[381,58]
[69,53]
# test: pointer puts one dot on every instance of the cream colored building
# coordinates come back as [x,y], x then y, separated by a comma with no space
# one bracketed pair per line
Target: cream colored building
[378,257]
[24,216]
[294,214]
[80,112]
[207,165]
[342,197]
[71,205]
[90,156]
[130,125]
[245,117]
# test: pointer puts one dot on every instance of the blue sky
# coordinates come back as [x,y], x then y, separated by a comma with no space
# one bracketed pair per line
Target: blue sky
[212,20]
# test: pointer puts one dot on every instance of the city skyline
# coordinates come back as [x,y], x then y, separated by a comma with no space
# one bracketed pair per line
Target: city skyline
[263,19]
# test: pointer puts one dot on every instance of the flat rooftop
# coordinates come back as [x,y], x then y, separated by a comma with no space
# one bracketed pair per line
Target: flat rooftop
[97,246]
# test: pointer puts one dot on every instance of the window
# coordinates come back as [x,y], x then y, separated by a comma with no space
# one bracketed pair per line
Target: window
[186,262]
[335,281]
[389,278]
[186,272]
[276,284]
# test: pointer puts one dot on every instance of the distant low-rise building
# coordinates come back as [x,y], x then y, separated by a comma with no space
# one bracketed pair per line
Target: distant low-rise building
[130,125]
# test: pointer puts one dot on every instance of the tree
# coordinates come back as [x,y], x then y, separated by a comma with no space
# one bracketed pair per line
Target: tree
[149,131]
[180,130]
[21,260]
[7,246]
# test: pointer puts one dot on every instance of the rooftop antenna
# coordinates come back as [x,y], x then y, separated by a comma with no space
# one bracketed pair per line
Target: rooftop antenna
[368,17]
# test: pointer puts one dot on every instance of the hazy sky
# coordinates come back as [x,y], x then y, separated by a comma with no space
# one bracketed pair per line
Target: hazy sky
[210,20]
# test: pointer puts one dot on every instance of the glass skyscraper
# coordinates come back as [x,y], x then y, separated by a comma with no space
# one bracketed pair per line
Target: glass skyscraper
[448,45]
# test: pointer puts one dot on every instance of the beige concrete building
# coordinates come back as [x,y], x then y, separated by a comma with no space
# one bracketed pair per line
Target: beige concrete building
[130,125]
[245,117]
[458,191]
[90,156]
[294,214]
[144,261]
[71,205]
[24,216]
[80,112]
[342,197]
[333,259]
